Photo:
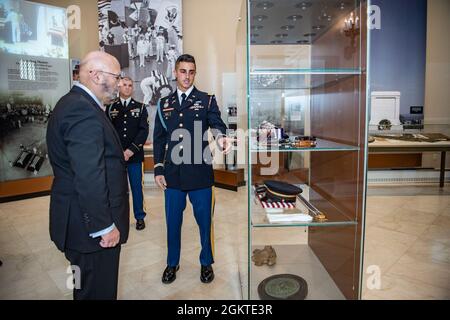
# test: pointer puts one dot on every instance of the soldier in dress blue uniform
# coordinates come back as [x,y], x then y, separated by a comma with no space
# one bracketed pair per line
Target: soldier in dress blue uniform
[130,118]
[183,163]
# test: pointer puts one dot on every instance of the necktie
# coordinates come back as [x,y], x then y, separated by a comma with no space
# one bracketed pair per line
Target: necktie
[124,103]
[183,98]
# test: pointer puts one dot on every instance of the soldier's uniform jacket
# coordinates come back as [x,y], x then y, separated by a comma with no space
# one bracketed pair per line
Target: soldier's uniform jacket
[186,165]
[131,123]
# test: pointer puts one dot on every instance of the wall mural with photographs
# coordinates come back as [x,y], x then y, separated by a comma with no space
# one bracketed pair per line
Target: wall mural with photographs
[146,37]
[34,74]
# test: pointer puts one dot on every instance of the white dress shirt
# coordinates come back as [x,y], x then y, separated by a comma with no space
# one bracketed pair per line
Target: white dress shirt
[187,93]
[127,101]
[89,92]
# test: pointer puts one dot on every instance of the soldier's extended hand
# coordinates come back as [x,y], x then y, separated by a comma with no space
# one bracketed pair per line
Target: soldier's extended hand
[161,182]
[225,144]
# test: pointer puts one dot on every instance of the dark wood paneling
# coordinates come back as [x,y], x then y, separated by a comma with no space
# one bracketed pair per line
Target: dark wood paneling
[334,246]
[334,176]
[382,161]
[277,162]
[296,176]
[338,113]
[335,111]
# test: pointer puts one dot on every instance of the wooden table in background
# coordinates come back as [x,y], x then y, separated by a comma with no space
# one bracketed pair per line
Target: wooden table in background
[399,146]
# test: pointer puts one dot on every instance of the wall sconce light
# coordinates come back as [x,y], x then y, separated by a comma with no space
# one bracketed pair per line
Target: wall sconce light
[351,27]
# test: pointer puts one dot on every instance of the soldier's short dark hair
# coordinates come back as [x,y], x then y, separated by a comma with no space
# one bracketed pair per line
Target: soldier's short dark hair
[128,78]
[185,58]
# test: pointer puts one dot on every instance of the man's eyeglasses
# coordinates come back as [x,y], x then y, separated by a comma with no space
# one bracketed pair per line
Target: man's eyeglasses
[116,76]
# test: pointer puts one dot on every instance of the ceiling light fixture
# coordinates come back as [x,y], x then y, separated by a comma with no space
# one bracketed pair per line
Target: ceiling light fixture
[294,17]
[260,17]
[287,27]
[304,5]
[256,27]
[264,5]
[342,5]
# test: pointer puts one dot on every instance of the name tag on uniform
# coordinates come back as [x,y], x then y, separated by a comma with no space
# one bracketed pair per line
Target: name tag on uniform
[113,113]
[197,105]
[167,112]
[135,112]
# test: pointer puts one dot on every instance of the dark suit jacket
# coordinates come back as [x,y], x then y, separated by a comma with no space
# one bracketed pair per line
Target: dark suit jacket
[90,188]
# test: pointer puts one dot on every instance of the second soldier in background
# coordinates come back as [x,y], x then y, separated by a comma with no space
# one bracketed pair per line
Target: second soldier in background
[130,119]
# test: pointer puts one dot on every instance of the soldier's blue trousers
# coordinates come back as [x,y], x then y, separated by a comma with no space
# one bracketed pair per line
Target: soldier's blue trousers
[135,175]
[203,205]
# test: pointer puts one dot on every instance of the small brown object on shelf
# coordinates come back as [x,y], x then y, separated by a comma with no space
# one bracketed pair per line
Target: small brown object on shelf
[320,217]
[264,256]
[305,142]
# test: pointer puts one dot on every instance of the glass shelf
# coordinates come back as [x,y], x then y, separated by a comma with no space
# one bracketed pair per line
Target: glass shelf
[322,145]
[296,80]
[334,215]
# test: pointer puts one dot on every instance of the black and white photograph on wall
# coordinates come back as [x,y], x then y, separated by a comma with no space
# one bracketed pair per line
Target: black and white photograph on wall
[22,136]
[146,37]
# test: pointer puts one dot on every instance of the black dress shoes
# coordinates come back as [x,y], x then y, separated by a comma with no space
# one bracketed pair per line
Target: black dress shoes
[140,224]
[206,274]
[170,274]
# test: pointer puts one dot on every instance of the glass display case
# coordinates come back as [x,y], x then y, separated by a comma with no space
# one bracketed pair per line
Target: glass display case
[306,96]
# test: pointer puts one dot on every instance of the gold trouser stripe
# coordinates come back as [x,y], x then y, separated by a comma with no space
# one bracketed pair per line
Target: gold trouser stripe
[280,194]
[213,200]
[143,198]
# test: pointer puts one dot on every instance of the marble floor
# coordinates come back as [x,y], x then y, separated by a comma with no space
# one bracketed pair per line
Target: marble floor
[34,269]
[407,240]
